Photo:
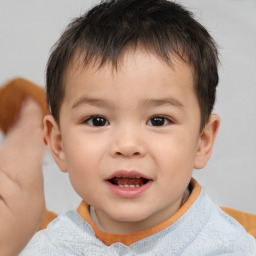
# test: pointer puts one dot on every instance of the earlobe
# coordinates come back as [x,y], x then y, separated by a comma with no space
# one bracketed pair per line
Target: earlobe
[206,141]
[53,138]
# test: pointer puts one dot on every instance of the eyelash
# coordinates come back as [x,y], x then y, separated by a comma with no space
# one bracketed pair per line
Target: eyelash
[93,118]
[162,120]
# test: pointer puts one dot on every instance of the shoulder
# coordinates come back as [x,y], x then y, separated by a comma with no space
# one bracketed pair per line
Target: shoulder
[222,232]
[58,238]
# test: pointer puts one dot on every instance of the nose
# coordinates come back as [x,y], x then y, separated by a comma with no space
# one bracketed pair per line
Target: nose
[128,143]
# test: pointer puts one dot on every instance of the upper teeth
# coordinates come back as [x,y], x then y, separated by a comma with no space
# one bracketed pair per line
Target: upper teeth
[128,186]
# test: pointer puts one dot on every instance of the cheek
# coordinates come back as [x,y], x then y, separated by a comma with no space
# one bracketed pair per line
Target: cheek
[175,160]
[83,155]
[176,153]
[81,159]
[83,165]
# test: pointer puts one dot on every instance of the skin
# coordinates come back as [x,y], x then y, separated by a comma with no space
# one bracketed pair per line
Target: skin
[127,100]
[21,183]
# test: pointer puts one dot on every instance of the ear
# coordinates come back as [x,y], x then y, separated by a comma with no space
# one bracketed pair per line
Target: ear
[206,142]
[53,137]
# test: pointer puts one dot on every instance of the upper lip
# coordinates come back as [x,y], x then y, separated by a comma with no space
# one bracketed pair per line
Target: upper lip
[127,174]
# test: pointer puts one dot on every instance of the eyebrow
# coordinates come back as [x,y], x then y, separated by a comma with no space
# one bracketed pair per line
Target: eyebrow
[163,101]
[147,102]
[91,101]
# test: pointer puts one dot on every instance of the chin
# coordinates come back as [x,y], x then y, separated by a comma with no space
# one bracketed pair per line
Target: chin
[129,216]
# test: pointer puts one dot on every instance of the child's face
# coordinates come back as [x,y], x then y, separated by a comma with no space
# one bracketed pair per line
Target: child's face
[141,123]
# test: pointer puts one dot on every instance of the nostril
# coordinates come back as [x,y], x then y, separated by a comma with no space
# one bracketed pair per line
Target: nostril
[128,154]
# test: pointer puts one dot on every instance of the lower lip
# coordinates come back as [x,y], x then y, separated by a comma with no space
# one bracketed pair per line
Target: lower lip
[129,192]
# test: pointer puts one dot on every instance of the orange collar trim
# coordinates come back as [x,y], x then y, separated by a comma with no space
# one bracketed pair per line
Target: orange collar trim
[128,239]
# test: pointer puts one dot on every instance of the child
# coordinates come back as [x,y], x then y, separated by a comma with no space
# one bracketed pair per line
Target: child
[131,88]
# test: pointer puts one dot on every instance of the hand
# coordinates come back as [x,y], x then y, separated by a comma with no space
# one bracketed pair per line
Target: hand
[21,182]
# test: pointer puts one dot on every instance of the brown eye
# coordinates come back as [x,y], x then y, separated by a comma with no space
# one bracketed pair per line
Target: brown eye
[158,121]
[97,121]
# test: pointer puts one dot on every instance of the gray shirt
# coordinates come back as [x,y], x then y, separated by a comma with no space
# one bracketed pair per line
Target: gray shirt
[203,230]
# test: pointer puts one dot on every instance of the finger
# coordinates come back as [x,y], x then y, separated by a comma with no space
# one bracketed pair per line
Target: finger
[28,129]
[30,114]
[23,148]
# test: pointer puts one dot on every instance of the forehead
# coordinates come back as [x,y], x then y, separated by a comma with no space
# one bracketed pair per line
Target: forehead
[79,64]
[136,70]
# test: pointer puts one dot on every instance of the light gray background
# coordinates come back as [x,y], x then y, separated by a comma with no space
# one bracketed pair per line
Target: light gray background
[29,28]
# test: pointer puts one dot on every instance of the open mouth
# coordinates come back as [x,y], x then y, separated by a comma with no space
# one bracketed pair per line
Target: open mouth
[128,182]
